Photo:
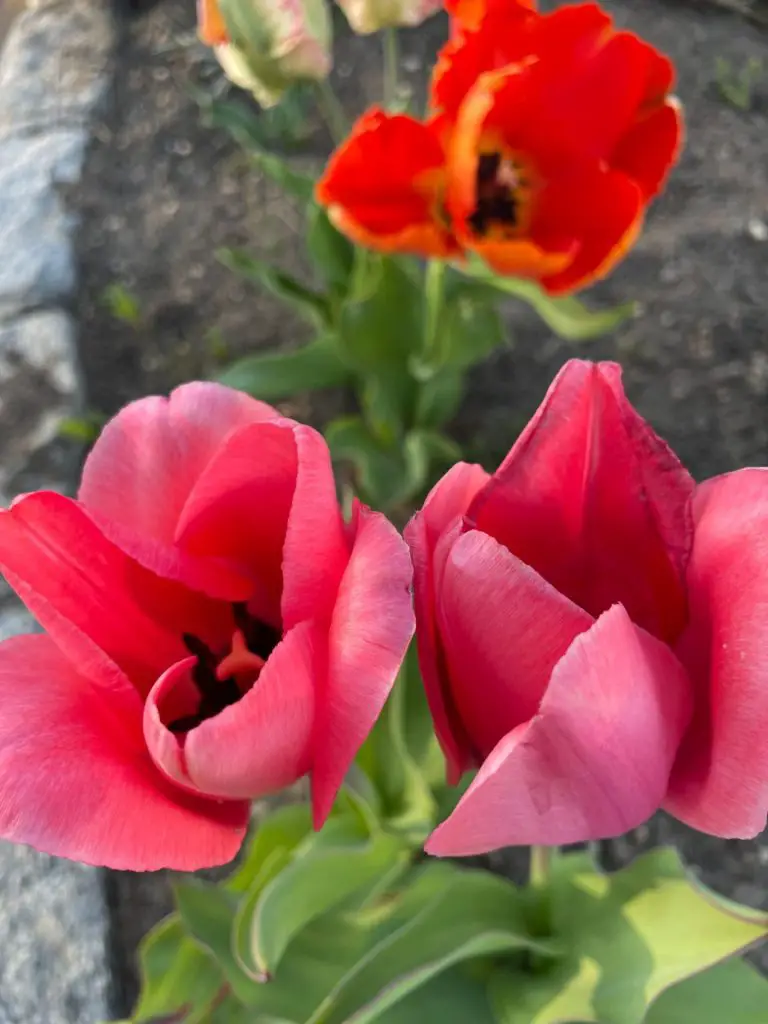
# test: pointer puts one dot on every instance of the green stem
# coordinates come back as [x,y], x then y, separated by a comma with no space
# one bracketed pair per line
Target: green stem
[391,64]
[541,862]
[434,287]
[538,881]
[331,110]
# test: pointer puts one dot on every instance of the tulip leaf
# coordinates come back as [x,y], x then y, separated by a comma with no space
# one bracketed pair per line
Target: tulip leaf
[312,305]
[565,315]
[176,975]
[472,914]
[733,992]
[629,936]
[281,830]
[450,998]
[275,375]
[439,397]
[470,325]
[332,252]
[378,469]
[311,886]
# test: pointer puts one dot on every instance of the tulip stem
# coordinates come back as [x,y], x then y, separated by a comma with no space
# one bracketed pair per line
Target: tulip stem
[434,287]
[541,864]
[391,64]
[331,111]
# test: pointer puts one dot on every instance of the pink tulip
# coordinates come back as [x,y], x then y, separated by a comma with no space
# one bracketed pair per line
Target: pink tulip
[591,629]
[214,632]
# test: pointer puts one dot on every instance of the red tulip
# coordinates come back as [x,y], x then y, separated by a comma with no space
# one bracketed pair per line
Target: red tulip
[214,631]
[590,628]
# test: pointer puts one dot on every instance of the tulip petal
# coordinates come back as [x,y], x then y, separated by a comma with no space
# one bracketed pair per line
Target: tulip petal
[504,629]
[238,509]
[592,499]
[254,747]
[383,186]
[371,628]
[649,149]
[141,471]
[79,585]
[720,781]
[593,762]
[447,502]
[76,779]
[316,550]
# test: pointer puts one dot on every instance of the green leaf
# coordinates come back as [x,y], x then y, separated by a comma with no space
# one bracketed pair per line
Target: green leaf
[629,936]
[176,975]
[731,993]
[281,830]
[122,304]
[207,912]
[378,469]
[310,887]
[448,999]
[470,324]
[275,375]
[313,306]
[439,397]
[333,254]
[472,914]
[567,316]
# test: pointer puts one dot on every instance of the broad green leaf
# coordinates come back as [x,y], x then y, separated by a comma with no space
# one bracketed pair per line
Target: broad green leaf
[313,306]
[731,993]
[176,974]
[424,450]
[451,998]
[629,937]
[475,914]
[567,316]
[310,887]
[207,912]
[378,469]
[438,398]
[275,862]
[274,375]
[470,325]
[333,254]
[281,830]
[564,994]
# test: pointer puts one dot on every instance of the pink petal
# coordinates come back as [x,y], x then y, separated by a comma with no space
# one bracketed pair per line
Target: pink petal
[69,575]
[720,781]
[239,507]
[141,471]
[316,550]
[76,779]
[504,630]
[252,748]
[594,501]
[595,760]
[371,628]
[445,504]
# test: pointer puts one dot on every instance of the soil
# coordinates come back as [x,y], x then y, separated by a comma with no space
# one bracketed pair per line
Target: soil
[163,191]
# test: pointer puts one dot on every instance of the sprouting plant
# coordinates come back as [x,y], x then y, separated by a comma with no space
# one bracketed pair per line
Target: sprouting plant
[737,87]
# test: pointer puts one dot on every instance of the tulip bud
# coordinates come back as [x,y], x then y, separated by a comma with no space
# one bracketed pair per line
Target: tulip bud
[265,45]
[371,15]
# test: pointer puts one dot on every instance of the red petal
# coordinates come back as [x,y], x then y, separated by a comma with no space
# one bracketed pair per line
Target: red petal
[141,471]
[383,185]
[595,502]
[650,148]
[504,629]
[595,760]
[254,747]
[76,779]
[79,585]
[446,503]
[371,628]
[720,782]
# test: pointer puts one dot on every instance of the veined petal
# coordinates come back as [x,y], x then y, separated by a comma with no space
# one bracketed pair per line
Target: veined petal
[720,781]
[76,779]
[447,502]
[144,466]
[593,762]
[383,186]
[370,631]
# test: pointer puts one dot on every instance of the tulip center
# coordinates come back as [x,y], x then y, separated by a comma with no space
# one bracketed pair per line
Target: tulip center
[223,679]
[498,184]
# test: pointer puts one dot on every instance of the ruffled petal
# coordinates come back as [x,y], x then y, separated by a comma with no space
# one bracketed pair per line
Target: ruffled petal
[447,501]
[371,628]
[76,779]
[596,502]
[593,762]
[720,782]
[503,629]
[140,473]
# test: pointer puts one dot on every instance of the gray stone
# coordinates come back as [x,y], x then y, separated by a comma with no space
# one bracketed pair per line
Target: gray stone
[36,259]
[52,72]
[39,388]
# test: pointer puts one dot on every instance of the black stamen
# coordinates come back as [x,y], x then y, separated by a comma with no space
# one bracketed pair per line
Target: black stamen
[496,202]
[260,637]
